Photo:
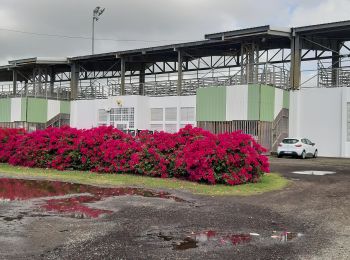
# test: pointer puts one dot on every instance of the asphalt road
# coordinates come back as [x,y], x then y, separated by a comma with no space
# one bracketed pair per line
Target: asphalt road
[314,209]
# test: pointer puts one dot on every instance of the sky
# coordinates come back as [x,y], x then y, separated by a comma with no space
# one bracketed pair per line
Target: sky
[130,24]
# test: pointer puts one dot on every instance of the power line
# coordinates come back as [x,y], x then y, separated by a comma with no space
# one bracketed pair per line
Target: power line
[86,37]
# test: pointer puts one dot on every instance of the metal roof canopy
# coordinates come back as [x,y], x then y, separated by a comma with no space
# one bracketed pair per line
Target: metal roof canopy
[323,36]
[254,31]
[318,37]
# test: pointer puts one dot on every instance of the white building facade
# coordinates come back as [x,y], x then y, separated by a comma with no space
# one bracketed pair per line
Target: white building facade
[323,115]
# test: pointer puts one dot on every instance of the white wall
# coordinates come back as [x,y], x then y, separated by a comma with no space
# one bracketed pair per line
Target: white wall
[173,101]
[320,115]
[278,101]
[53,108]
[237,102]
[16,109]
[84,113]
[345,118]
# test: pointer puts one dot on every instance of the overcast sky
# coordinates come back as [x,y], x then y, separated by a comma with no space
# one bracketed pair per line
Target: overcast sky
[144,22]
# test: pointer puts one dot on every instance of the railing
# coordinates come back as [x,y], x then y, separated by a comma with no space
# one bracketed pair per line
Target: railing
[280,128]
[268,74]
[93,91]
[263,74]
[336,77]
[58,120]
[58,91]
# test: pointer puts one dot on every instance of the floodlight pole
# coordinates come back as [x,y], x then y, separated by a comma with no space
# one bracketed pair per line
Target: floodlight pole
[95,16]
[93,34]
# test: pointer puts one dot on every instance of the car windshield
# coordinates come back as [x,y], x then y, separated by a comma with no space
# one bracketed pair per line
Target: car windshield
[290,141]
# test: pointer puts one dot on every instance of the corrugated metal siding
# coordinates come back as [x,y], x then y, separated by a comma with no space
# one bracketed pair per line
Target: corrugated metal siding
[211,104]
[65,107]
[253,102]
[37,110]
[237,102]
[286,99]
[5,110]
[24,109]
[267,103]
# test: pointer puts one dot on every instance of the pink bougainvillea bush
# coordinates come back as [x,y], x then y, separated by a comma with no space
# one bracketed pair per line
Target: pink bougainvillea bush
[191,154]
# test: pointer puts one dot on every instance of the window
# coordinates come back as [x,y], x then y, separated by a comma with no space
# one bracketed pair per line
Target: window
[102,116]
[156,114]
[170,128]
[156,127]
[348,122]
[290,141]
[170,114]
[187,114]
[121,117]
[121,126]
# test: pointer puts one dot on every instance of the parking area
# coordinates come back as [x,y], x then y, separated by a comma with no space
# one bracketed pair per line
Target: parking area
[307,220]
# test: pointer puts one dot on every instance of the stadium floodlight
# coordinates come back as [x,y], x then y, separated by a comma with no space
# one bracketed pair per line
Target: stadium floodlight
[97,12]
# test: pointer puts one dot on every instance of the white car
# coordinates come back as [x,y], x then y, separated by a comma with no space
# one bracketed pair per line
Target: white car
[301,147]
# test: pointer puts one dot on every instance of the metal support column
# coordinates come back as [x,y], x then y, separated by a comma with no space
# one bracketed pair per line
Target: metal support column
[179,72]
[40,80]
[14,82]
[26,87]
[122,76]
[336,64]
[142,78]
[249,61]
[295,63]
[52,81]
[74,80]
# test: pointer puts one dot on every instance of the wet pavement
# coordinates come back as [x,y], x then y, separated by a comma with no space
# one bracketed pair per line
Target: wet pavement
[53,220]
[76,204]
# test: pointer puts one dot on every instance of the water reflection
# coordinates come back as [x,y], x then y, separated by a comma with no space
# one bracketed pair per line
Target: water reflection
[19,189]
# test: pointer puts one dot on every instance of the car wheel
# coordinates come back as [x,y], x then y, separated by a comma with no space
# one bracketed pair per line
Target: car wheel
[279,155]
[315,154]
[303,155]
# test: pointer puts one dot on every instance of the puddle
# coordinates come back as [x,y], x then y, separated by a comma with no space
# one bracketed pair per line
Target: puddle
[214,239]
[75,207]
[205,238]
[317,173]
[286,236]
[19,217]
[19,189]
[187,243]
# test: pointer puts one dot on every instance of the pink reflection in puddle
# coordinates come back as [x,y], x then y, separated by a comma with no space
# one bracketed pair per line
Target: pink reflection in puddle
[210,236]
[19,189]
[75,206]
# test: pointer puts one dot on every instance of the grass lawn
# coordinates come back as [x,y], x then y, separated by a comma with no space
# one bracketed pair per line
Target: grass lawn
[269,182]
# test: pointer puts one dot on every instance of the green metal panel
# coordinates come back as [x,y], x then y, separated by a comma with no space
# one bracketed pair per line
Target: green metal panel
[37,110]
[24,109]
[267,103]
[65,107]
[211,104]
[5,110]
[286,99]
[253,102]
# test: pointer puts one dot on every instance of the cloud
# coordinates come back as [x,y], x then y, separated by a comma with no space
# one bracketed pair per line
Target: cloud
[151,20]
[314,12]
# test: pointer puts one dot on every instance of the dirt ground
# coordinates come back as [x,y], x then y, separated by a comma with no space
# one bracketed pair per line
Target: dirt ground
[307,220]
